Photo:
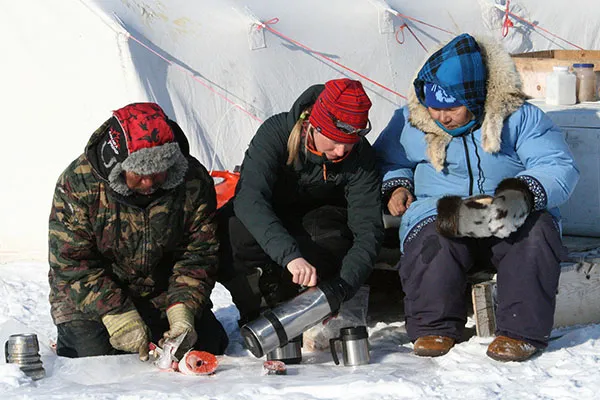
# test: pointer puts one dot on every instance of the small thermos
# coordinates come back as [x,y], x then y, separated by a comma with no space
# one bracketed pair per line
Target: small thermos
[355,346]
[23,349]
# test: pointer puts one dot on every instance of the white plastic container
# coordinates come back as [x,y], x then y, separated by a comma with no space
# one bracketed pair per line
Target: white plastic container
[560,87]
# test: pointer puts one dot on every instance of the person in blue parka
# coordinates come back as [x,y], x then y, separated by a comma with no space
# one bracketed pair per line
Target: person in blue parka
[477,174]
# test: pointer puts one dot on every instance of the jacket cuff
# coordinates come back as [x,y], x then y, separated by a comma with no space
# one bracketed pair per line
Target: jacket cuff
[448,208]
[290,257]
[388,187]
[518,185]
[540,198]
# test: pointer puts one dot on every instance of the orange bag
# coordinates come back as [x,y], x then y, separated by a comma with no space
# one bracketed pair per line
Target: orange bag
[225,185]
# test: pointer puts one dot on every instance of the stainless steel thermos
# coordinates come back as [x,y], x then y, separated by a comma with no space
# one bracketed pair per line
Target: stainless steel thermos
[355,346]
[23,349]
[276,327]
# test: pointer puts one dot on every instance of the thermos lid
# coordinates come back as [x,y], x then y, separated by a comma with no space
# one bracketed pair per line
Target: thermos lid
[354,333]
[252,342]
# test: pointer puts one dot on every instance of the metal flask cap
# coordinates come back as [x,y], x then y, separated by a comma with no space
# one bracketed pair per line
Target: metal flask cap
[23,349]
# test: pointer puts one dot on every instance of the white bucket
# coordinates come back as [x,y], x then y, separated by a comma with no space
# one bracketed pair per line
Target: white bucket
[560,87]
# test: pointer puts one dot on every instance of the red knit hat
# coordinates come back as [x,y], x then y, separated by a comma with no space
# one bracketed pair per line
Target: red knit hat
[341,112]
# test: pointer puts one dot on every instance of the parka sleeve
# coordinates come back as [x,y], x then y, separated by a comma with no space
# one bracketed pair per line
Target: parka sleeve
[77,270]
[550,170]
[364,220]
[195,271]
[395,167]
[253,201]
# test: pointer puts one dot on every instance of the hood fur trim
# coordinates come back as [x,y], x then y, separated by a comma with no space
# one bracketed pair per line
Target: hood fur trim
[504,96]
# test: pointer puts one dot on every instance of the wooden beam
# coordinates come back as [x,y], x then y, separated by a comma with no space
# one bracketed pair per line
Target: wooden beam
[484,307]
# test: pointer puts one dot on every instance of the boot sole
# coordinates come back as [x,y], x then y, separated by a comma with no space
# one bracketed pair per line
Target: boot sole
[506,358]
[430,353]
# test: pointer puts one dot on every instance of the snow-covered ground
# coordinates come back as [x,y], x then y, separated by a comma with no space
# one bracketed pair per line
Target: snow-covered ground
[68,63]
[568,369]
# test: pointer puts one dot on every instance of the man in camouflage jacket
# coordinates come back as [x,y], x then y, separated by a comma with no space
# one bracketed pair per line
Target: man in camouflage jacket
[132,244]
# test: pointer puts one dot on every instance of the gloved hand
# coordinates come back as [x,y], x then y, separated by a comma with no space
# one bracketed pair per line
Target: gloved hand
[181,320]
[513,201]
[459,217]
[128,332]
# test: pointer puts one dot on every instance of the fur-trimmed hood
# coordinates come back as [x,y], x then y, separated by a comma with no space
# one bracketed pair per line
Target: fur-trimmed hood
[504,96]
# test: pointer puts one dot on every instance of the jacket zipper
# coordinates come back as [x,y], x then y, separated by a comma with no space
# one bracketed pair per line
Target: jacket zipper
[464,139]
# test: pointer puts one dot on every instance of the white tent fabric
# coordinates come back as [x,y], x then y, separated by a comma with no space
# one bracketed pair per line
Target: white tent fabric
[67,64]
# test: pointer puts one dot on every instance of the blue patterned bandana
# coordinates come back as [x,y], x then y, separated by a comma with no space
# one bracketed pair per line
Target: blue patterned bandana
[459,69]
[437,97]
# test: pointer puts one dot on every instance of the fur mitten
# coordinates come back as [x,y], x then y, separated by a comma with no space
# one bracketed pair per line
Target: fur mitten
[459,217]
[513,201]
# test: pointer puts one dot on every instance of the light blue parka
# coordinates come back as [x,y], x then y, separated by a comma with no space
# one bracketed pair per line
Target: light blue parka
[515,139]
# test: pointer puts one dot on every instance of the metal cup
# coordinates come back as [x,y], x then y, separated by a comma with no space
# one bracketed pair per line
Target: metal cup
[23,349]
[290,353]
[355,346]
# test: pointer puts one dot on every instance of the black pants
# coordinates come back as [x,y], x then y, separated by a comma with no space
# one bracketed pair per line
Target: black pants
[433,272]
[82,338]
[323,238]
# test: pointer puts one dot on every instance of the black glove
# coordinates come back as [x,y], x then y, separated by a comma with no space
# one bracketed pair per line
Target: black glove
[459,217]
[337,291]
[513,201]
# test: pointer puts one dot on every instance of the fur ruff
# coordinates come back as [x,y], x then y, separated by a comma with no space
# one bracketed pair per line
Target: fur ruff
[167,157]
[504,96]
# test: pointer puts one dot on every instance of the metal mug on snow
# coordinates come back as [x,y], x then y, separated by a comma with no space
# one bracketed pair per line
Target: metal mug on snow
[355,346]
[23,349]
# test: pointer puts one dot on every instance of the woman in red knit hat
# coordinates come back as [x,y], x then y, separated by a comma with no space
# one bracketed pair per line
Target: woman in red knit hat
[307,205]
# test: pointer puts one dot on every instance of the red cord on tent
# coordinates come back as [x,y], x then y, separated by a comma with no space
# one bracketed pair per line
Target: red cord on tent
[419,21]
[401,29]
[266,25]
[536,26]
[130,36]
[507,24]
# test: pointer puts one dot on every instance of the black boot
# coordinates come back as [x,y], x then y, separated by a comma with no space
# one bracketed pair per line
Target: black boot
[246,296]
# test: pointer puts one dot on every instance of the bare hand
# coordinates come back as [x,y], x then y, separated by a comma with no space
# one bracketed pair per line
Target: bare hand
[400,200]
[302,272]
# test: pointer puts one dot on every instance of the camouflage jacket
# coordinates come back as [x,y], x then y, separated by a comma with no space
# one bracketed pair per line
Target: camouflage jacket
[107,254]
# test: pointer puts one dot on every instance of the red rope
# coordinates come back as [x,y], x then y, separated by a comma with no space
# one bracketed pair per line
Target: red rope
[130,36]
[266,26]
[401,29]
[535,26]
[507,24]
[421,22]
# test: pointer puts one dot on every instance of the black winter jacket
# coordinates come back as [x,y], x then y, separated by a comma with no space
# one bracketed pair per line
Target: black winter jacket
[268,188]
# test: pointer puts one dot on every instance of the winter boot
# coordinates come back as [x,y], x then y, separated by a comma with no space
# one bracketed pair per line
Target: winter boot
[504,348]
[433,346]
